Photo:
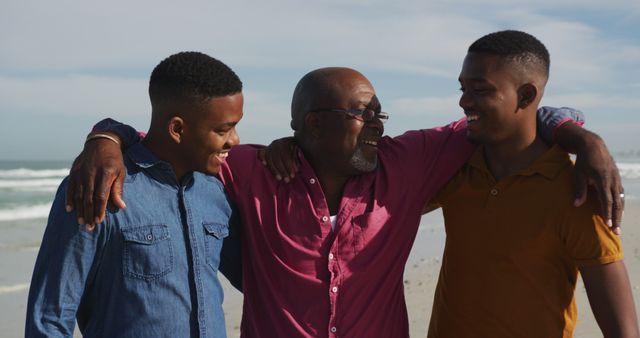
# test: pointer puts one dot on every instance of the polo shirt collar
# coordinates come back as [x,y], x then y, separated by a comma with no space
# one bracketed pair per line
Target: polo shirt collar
[548,165]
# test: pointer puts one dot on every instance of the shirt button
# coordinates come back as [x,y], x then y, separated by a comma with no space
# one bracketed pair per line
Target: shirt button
[334,329]
[330,256]
[312,180]
[325,218]
[334,289]
[149,237]
[494,191]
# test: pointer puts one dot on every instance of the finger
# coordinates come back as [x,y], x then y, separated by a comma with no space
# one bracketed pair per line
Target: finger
[116,192]
[606,202]
[618,209]
[88,188]
[71,188]
[292,163]
[261,156]
[280,163]
[579,188]
[79,206]
[271,166]
[101,195]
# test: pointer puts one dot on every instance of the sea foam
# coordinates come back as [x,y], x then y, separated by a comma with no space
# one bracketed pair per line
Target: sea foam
[25,212]
[629,170]
[31,173]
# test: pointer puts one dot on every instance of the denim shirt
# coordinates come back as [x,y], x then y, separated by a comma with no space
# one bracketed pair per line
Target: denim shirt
[150,270]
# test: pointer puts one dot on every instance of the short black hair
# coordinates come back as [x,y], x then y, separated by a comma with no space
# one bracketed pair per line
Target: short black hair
[514,47]
[192,76]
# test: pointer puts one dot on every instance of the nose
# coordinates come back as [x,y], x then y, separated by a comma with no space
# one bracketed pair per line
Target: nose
[233,139]
[465,101]
[375,123]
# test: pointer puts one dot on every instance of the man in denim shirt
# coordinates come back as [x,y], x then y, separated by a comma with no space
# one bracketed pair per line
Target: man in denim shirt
[151,270]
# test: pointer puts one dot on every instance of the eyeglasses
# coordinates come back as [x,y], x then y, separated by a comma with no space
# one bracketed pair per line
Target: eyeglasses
[364,115]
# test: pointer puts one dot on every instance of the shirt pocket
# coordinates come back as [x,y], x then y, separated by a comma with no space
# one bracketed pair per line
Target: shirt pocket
[370,235]
[148,253]
[214,234]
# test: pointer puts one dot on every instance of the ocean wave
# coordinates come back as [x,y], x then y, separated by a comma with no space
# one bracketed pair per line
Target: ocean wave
[13,288]
[34,183]
[25,212]
[32,173]
[629,170]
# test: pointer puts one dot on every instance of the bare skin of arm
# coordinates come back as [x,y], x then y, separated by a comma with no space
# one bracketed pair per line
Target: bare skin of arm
[98,173]
[611,299]
[594,166]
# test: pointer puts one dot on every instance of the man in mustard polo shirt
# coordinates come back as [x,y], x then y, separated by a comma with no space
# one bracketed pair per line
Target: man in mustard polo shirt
[512,256]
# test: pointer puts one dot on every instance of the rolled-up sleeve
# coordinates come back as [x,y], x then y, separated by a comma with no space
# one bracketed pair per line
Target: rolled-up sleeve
[550,119]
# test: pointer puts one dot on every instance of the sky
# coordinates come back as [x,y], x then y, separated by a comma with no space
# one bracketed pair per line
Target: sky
[64,65]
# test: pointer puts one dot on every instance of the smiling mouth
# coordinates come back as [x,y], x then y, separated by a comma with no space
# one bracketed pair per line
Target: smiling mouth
[370,143]
[472,118]
[222,156]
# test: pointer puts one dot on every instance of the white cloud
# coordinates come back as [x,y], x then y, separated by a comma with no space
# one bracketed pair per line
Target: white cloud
[81,58]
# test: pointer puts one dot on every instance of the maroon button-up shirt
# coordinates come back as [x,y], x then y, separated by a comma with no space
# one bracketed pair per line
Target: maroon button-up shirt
[300,278]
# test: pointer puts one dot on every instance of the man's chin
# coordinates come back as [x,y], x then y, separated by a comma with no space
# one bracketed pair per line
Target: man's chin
[472,138]
[363,165]
[212,170]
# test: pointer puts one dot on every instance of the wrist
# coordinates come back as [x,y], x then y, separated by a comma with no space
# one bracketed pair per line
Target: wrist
[104,136]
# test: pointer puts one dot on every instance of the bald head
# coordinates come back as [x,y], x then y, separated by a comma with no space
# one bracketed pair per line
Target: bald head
[325,88]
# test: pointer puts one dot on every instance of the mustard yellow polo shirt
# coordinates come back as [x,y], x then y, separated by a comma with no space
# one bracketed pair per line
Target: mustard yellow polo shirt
[513,250]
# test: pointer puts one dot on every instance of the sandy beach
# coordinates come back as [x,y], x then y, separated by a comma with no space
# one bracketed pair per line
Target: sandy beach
[421,276]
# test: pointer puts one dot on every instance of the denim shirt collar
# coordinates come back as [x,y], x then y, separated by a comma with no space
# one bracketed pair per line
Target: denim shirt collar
[142,156]
[144,159]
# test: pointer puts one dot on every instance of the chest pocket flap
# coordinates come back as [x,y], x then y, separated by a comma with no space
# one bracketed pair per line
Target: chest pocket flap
[217,230]
[146,235]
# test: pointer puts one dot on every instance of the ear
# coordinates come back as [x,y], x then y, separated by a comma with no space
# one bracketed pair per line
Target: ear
[176,128]
[312,124]
[527,94]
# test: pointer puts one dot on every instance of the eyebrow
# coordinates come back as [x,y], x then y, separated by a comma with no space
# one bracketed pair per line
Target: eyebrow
[474,79]
[229,124]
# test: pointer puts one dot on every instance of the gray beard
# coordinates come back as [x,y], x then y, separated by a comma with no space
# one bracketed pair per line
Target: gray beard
[360,163]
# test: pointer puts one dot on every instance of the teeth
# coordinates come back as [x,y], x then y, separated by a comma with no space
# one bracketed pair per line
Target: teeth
[371,143]
[472,117]
[223,155]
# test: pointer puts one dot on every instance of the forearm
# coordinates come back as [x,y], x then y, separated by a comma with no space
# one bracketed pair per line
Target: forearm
[611,299]
[573,138]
